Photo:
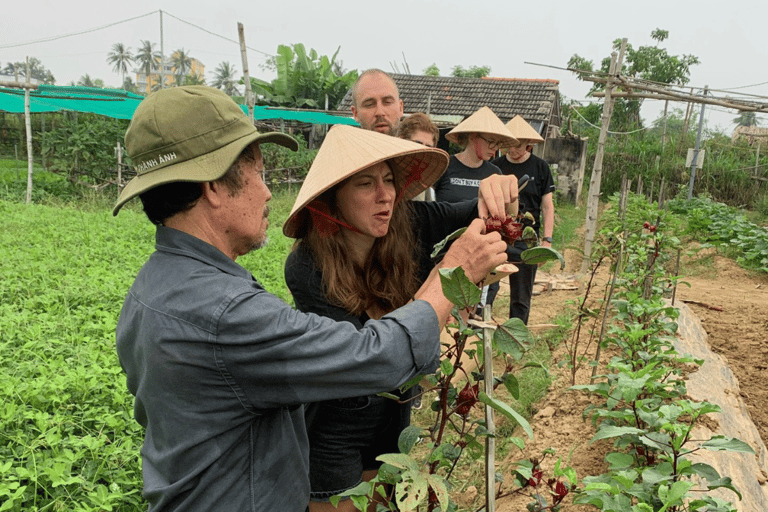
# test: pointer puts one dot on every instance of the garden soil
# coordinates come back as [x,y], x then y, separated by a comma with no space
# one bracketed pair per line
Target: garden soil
[731,307]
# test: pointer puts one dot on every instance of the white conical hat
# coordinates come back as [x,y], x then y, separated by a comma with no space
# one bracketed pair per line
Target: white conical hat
[347,150]
[522,130]
[483,121]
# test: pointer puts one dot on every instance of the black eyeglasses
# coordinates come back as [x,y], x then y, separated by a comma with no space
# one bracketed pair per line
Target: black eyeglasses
[494,144]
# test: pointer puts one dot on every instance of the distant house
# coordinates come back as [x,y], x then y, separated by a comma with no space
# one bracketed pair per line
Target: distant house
[752,134]
[449,100]
[145,84]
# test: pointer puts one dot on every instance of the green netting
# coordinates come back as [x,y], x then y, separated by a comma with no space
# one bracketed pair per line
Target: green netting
[121,104]
[51,98]
[263,113]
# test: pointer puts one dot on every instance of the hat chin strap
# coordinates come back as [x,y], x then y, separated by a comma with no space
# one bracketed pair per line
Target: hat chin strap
[478,151]
[326,224]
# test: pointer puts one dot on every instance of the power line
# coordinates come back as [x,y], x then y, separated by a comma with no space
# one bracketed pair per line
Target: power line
[217,35]
[88,31]
[54,38]
[612,133]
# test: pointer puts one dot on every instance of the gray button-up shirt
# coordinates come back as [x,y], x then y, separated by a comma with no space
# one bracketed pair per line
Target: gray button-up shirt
[220,368]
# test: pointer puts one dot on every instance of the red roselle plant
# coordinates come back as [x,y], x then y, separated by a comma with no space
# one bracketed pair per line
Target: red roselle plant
[547,494]
[457,428]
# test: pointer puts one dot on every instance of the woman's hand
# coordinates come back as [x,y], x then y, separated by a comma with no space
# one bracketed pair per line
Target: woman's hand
[494,194]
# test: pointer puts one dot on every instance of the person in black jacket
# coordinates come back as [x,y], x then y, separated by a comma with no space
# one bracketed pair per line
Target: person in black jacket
[535,198]
[362,250]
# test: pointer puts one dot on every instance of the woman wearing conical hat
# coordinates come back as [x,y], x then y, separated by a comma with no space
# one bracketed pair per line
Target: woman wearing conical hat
[362,250]
[481,135]
[536,198]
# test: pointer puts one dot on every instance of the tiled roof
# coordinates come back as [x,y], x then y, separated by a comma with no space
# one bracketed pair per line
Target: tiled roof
[750,132]
[535,100]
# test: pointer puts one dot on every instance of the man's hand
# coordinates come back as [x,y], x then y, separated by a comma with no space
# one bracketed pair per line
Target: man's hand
[494,193]
[476,252]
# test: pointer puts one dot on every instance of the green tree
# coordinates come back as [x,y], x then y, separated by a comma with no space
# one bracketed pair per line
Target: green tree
[120,57]
[182,63]
[194,79]
[224,79]
[36,71]
[431,70]
[86,81]
[647,62]
[471,72]
[746,119]
[147,58]
[304,80]
[129,86]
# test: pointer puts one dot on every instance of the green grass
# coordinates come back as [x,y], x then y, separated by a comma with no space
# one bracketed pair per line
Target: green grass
[69,440]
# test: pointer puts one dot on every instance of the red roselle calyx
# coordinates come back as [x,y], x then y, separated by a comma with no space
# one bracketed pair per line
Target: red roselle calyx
[509,229]
[467,398]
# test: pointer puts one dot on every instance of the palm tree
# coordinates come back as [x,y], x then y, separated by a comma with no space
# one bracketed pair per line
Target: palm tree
[182,63]
[746,118]
[120,57]
[86,81]
[224,78]
[147,57]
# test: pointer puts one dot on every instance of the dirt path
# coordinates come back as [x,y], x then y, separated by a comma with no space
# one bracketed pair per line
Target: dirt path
[732,305]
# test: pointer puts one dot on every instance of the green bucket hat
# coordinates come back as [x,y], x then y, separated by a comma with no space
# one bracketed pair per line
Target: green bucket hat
[190,133]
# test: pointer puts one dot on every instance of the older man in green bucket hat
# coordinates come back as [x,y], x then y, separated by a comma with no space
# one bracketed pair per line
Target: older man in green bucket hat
[219,367]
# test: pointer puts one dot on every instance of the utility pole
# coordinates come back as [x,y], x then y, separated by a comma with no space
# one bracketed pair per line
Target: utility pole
[696,149]
[593,199]
[162,54]
[28,125]
[246,78]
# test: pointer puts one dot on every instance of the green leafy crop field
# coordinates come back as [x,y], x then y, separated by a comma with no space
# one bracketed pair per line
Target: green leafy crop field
[68,440]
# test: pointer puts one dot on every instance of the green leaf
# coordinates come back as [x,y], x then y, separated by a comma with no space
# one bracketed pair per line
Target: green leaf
[458,289]
[512,385]
[507,411]
[446,366]
[671,496]
[438,485]
[703,470]
[537,255]
[408,438]
[399,460]
[618,461]
[727,443]
[724,482]
[609,431]
[513,338]
[442,243]
[411,491]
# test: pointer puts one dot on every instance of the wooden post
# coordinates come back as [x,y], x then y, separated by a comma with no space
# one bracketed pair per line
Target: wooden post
[661,194]
[664,128]
[246,77]
[640,184]
[757,156]
[593,199]
[684,138]
[696,148]
[582,167]
[119,151]
[490,440]
[28,124]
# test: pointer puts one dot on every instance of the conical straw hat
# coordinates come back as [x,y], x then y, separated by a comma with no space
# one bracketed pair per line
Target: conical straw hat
[483,121]
[523,131]
[347,150]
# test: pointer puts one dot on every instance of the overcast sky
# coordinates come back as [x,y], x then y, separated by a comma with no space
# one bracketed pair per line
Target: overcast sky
[728,37]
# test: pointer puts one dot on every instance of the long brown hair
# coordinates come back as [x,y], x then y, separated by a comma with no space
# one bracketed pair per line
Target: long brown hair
[386,281]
